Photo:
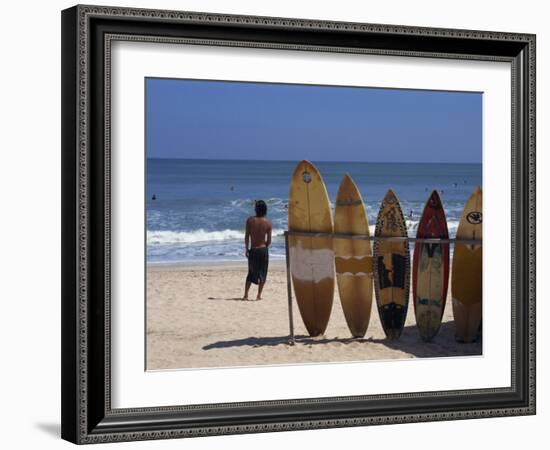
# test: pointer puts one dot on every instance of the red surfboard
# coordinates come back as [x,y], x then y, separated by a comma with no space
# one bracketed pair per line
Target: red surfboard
[431,269]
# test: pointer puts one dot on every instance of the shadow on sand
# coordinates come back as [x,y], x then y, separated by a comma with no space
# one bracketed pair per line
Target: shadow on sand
[235,299]
[443,344]
[273,341]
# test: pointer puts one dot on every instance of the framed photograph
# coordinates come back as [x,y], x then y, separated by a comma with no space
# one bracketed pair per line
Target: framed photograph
[279,224]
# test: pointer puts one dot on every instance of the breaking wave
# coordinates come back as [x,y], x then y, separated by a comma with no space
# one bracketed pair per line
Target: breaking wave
[155,238]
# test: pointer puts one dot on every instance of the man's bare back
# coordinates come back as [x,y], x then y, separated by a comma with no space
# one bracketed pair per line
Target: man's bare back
[257,240]
[258,230]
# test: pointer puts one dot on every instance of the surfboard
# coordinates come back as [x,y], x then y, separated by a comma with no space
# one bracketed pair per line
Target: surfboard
[311,258]
[392,267]
[430,269]
[353,258]
[466,282]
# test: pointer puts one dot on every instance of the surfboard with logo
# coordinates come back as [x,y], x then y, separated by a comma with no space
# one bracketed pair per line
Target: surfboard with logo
[353,258]
[466,283]
[391,267]
[431,269]
[311,258]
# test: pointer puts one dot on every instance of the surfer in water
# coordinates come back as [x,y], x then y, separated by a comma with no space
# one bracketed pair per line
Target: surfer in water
[257,240]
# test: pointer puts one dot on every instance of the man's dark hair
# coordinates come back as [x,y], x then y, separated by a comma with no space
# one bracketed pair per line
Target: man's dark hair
[261,208]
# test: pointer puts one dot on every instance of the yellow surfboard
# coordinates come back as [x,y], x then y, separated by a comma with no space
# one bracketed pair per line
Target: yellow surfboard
[466,283]
[311,258]
[353,258]
[392,267]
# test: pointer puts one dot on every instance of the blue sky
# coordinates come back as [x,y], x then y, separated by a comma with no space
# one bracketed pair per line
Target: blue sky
[237,120]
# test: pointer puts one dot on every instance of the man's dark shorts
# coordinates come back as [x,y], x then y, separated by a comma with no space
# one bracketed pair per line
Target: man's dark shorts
[258,260]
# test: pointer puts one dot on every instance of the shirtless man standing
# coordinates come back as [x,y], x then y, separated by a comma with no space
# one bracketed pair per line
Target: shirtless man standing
[257,239]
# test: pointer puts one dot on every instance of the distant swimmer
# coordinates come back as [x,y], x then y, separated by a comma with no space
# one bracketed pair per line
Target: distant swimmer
[232,188]
[154,197]
[411,214]
[257,240]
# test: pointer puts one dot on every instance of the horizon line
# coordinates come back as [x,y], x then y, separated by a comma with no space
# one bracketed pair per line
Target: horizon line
[319,161]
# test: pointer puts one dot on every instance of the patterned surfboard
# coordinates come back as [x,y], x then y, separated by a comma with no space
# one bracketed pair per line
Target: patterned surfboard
[392,267]
[466,283]
[430,269]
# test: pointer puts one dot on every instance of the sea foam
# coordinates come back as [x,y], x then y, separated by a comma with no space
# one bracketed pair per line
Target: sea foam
[168,237]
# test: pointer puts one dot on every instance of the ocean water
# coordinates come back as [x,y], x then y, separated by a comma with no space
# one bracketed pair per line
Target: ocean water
[201,206]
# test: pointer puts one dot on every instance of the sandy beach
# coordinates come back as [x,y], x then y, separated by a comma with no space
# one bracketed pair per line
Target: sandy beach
[195,318]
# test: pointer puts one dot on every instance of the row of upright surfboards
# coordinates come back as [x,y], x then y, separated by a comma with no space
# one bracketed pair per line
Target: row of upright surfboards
[386,263]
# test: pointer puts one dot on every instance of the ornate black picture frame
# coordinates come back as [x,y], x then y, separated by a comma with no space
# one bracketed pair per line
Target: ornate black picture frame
[87,33]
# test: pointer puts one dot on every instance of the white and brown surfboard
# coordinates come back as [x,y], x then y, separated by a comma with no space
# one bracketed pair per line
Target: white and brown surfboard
[353,258]
[466,280]
[311,258]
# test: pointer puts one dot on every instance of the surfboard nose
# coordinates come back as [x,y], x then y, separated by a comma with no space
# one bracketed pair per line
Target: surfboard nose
[346,180]
[348,193]
[391,197]
[434,201]
[305,170]
[348,185]
[303,164]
